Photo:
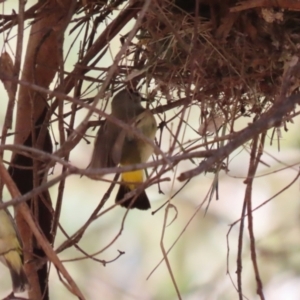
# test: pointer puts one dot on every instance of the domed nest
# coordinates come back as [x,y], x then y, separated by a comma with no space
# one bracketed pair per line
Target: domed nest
[226,54]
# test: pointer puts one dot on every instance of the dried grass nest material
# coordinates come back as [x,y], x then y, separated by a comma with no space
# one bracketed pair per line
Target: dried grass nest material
[236,58]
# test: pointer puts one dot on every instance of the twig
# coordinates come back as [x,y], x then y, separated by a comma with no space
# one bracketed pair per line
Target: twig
[250,4]
[239,254]
[165,253]
[248,198]
[267,120]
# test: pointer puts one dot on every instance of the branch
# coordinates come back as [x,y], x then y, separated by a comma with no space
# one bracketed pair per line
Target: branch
[284,4]
[24,210]
[271,118]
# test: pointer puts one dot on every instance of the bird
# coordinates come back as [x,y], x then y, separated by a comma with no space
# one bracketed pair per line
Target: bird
[11,253]
[115,145]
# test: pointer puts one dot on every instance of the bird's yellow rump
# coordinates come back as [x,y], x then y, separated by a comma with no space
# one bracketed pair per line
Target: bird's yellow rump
[115,145]
[11,251]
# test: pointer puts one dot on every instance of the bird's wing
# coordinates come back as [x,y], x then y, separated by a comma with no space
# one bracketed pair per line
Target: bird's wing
[104,142]
[117,148]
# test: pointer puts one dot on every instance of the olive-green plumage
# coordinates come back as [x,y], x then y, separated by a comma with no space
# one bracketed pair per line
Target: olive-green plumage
[11,251]
[115,145]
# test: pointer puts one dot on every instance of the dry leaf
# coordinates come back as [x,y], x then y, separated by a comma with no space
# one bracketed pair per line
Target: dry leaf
[6,68]
[270,16]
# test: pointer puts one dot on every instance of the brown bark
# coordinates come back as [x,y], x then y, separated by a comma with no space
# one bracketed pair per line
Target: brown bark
[40,66]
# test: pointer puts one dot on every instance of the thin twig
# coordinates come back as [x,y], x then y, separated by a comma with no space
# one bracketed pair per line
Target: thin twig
[165,253]
[267,120]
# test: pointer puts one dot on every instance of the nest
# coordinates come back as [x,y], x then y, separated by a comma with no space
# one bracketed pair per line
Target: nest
[228,58]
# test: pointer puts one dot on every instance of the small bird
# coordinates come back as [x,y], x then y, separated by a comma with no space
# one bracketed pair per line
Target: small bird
[115,145]
[11,253]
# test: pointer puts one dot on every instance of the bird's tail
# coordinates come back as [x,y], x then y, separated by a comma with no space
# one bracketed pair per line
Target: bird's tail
[19,280]
[13,260]
[130,180]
